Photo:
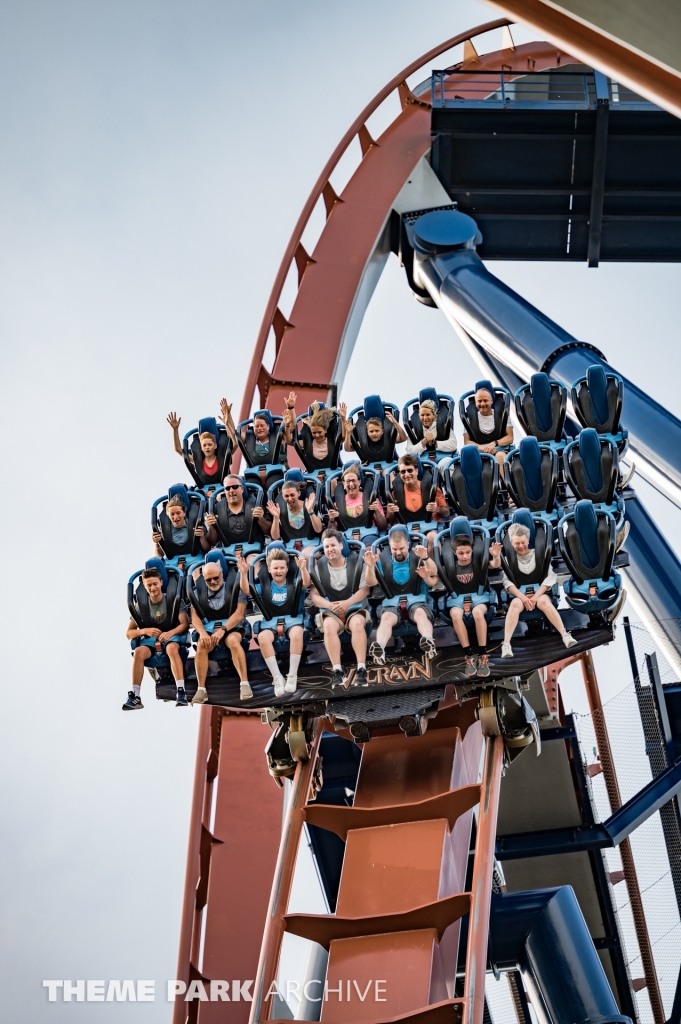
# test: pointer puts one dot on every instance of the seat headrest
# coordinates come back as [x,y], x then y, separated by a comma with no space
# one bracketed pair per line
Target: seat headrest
[524,517]
[460,525]
[275,545]
[179,491]
[530,460]
[373,406]
[540,389]
[356,464]
[217,556]
[398,529]
[158,563]
[590,450]
[265,414]
[597,383]
[471,467]
[293,476]
[208,425]
[484,385]
[428,395]
[311,410]
[586,524]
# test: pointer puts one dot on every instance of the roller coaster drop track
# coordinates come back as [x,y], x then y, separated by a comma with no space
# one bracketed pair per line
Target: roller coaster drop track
[426,789]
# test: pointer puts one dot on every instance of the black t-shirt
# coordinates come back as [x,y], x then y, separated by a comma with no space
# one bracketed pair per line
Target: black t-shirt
[236,522]
[464,573]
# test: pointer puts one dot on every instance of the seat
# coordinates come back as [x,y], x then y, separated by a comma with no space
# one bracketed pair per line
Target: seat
[478,590]
[531,473]
[217,506]
[374,452]
[191,445]
[294,540]
[541,407]
[180,555]
[277,618]
[429,480]
[354,527]
[198,594]
[353,551]
[471,480]
[172,585]
[597,401]
[302,442]
[591,464]
[541,542]
[262,470]
[587,543]
[445,416]
[401,596]
[468,414]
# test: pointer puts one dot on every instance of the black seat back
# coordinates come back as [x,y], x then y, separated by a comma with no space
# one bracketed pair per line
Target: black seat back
[247,441]
[258,575]
[445,559]
[443,422]
[472,482]
[198,593]
[541,542]
[468,414]
[428,479]
[597,399]
[587,542]
[541,407]
[532,475]
[302,441]
[592,466]
[368,451]
[195,503]
[172,585]
[253,498]
[192,446]
[370,480]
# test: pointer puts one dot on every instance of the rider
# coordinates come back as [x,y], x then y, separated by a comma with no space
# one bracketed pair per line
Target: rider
[519,537]
[410,505]
[317,448]
[430,444]
[376,446]
[216,602]
[353,508]
[179,542]
[297,520]
[404,575]
[158,633]
[264,450]
[339,591]
[469,597]
[210,468]
[496,446]
[279,599]
[238,521]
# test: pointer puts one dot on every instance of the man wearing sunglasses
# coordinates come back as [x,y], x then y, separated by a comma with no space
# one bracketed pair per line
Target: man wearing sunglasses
[215,607]
[239,520]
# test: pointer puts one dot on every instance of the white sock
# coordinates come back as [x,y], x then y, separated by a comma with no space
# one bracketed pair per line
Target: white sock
[337,668]
[136,689]
[273,667]
[293,663]
[180,684]
[361,664]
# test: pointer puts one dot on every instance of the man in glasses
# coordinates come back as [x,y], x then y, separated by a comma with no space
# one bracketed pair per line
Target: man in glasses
[216,603]
[160,633]
[238,521]
[411,494]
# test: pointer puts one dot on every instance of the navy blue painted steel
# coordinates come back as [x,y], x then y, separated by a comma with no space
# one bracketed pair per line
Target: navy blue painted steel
[521,337]
[545,934]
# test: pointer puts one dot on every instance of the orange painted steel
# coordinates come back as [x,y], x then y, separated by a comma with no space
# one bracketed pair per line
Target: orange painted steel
[275,924]
[623,63]
[329,278]
[481,887]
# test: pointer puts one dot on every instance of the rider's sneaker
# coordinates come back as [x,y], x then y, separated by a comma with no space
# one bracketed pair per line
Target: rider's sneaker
[338,679]
[427,645]
[181,698]
[201,696]
[377,653]
[133,703]
[291,682]
[483,665]
[568,639]
[471,665]
[279,686]
[506,651]
[245,691]
[361,677]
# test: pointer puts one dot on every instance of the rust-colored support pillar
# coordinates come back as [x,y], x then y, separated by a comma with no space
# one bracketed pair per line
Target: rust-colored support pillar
[628,865]
[481,888]
[275,925]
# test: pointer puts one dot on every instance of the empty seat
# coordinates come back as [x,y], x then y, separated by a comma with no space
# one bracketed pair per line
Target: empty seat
[468,414]
[592,469]
[370,451]
[531,473]
[471,480]
[191,446]
[541,406]
[444,419]
[597,401]
[181,552]
[587,543]
[303,441]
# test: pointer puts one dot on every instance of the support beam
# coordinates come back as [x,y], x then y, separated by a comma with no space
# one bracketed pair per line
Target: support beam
[598,176]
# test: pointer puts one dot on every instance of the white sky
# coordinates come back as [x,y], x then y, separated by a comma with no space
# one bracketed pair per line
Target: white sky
[155,156]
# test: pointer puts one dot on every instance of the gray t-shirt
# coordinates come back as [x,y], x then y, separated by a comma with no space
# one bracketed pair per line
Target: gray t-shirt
[338,575]
[159,610]
[216,600]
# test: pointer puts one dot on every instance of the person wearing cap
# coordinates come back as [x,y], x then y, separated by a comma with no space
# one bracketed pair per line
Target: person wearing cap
[496,446]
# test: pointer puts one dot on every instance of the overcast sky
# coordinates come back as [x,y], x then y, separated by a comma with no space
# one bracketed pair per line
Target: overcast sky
[155,155]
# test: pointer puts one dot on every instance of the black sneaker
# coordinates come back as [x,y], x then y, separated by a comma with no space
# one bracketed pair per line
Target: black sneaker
[361,677]
[181,698]
[338,679]
[133,703]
